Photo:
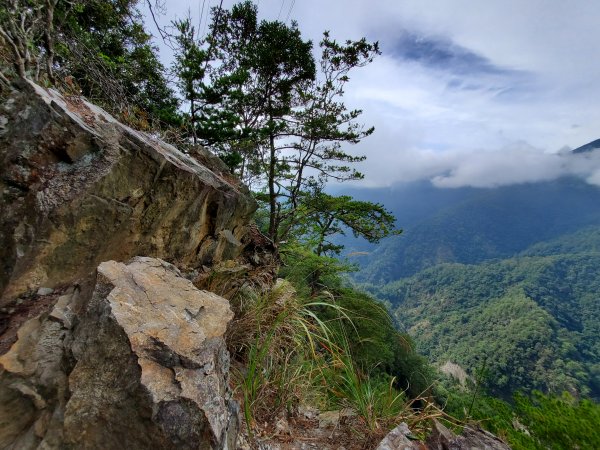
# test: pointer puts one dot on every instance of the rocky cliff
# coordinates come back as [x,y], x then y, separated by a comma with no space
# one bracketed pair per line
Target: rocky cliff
[101,348]
[78,188]
[107,340]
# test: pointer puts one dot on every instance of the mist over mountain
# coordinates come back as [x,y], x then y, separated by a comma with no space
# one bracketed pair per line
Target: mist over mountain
[469,225]
[589,147]
[505,278]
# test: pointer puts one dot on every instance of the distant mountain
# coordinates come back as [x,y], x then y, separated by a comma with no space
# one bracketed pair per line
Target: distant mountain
[412,202]
[583,241]
[532,321]
[474,225]
[588,147]
[504,279]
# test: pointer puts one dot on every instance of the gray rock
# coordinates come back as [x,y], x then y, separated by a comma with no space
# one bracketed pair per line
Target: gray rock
[63,311]
[441,438]
[397,440]
[144,367]
[471,438]
[45,291]
[307,411]
[329,419]
[478,438]
[78,188]
[137,359]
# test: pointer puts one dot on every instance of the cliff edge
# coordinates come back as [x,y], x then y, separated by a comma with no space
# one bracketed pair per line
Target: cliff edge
[101,348]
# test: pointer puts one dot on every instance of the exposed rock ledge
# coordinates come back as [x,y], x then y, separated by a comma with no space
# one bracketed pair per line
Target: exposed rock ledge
[145,367]
[441,438]
[78,188]
[103,355]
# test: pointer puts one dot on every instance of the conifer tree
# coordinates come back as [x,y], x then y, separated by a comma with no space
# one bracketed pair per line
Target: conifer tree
[276,114]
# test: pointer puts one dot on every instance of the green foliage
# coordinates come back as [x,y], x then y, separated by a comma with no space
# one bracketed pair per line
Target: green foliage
[296,349]
[370,336]
[278,335]
[322,216]
[189,65]
[272,110]
[305,269]
[560,422]
[98,48]
[373,398]
[531,422]
[535,318]
[104,46]
[22,31]
[471,226]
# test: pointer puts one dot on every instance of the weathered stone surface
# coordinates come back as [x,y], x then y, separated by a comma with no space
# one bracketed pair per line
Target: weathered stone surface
[398,439]
[34,384]
[477,438]
[441,438]
[144,367]
[78,188]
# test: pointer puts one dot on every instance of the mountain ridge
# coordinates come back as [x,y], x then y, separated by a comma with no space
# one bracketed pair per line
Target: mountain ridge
[589,147]
[485,224]
[533,319]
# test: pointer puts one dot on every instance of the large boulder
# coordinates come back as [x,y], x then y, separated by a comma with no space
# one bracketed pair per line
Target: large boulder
[105,355]
[78,188]
[145,366]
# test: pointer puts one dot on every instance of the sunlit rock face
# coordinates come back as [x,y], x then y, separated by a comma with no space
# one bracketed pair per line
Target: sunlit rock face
[99,350]
[145,367]
[78,188]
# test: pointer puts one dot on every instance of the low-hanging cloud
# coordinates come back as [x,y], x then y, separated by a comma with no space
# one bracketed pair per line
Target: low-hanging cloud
[517,164]
[453,92]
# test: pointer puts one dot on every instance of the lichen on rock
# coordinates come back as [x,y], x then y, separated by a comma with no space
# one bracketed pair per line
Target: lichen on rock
[78,188]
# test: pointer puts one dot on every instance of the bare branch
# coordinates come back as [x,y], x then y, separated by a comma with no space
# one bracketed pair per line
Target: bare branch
[160,10]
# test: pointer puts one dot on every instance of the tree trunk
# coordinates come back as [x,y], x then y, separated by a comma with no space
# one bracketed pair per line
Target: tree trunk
[314,282]
[49,40]
[19,61]
[193,120]
[4,80]
[272,195]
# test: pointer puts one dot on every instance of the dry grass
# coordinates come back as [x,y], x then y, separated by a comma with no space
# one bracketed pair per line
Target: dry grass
[286,356]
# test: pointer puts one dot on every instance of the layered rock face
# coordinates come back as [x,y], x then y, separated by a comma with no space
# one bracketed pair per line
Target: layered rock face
[98,350]
[78,188]
[145,367]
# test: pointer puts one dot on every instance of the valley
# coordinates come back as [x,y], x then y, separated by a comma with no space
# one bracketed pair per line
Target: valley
[503,280]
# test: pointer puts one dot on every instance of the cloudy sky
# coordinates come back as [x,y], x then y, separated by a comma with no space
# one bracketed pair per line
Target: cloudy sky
[466,92]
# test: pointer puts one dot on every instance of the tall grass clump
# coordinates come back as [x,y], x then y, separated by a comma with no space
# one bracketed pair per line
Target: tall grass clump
[374,399]
[278,338]
[311,340]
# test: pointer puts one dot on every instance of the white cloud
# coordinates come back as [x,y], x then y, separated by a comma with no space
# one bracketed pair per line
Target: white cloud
[515,164]
[459,127]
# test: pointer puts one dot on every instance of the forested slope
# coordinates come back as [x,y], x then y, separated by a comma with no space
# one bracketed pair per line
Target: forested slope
[532,321]
[487,224]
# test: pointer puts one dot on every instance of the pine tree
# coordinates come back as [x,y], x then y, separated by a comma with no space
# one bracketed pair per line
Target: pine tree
[276,114]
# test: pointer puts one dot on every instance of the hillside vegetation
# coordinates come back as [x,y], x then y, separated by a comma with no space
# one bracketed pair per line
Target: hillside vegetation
[480,225]
[271,104]
[533,321]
